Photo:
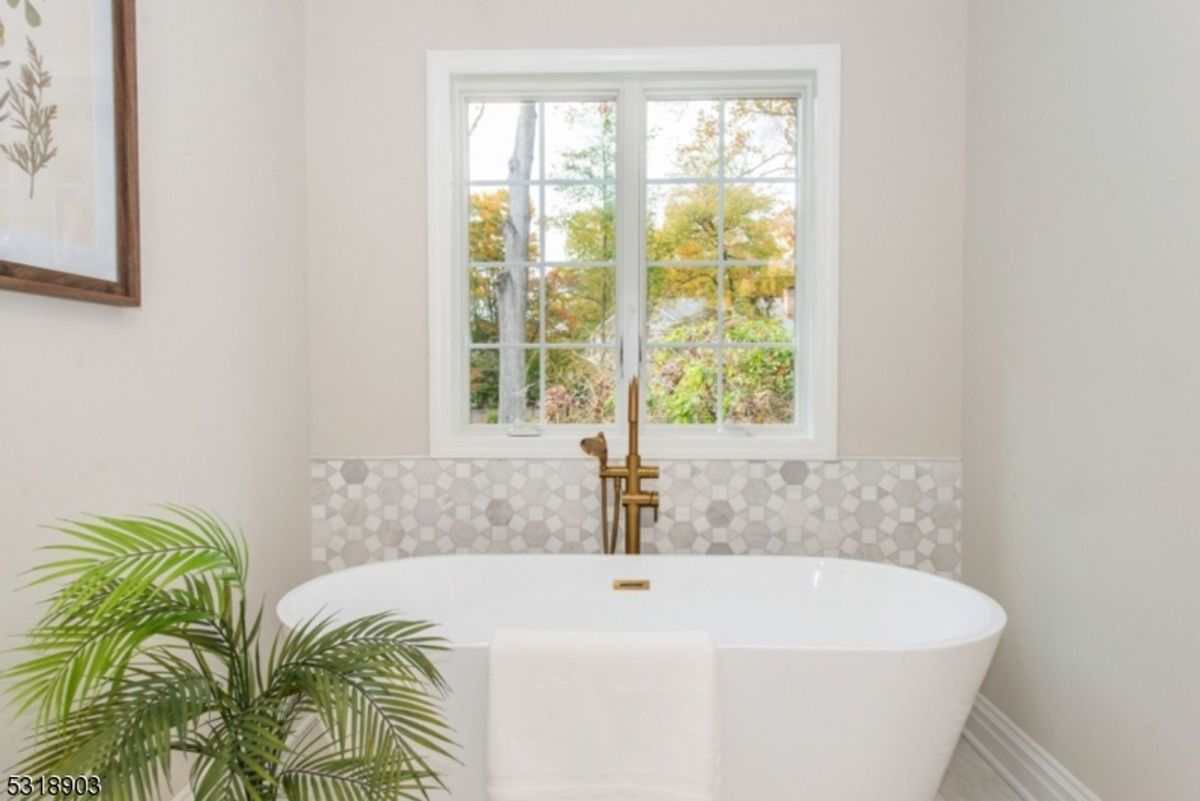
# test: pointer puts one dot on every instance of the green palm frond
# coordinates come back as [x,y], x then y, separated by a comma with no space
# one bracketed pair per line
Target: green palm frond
[117,559]
[127,737]
[73,655]
[241,758]
[147,648]
[317,769]
[368,682]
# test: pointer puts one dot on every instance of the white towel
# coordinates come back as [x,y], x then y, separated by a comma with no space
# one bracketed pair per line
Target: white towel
[597,716]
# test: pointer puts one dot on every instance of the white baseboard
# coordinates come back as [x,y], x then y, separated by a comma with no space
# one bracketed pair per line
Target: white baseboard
[1026,766]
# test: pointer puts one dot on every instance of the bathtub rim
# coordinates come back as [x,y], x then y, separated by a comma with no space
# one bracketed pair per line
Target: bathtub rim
[997,616]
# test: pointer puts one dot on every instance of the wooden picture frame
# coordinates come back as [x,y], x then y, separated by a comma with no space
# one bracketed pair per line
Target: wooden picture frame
[115,276]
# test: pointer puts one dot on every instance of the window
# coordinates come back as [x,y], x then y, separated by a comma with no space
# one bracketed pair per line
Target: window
[665,214]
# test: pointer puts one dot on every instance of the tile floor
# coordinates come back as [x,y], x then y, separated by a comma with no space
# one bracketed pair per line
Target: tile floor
[970,778]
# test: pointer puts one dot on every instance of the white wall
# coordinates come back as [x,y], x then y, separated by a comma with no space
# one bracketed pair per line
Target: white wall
[902,206]
[1082,393]
[200,396]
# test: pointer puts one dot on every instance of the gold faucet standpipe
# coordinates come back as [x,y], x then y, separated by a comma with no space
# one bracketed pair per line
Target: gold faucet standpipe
[627,484]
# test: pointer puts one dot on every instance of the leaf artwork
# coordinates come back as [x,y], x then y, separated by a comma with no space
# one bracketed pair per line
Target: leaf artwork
[32,117]
[31,14]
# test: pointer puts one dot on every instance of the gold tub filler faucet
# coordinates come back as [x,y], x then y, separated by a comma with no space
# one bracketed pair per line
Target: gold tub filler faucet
[627,484]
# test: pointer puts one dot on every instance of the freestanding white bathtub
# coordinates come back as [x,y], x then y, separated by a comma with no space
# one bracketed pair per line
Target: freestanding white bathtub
[840,680]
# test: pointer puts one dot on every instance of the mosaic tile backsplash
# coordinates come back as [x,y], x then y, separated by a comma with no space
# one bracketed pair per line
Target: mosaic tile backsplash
[903,512]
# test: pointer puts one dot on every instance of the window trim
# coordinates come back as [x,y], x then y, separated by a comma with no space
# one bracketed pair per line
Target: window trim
[449,433]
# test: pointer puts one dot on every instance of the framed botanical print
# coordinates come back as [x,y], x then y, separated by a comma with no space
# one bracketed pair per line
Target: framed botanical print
[68,149]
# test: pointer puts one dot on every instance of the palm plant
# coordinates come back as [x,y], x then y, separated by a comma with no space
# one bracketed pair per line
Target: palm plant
[147,648]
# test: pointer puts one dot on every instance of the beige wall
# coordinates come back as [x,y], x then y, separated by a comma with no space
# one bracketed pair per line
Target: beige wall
[902,183]
[201,395]
[1082,393]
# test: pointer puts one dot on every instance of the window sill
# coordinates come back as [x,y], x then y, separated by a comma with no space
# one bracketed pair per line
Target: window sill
[564,444]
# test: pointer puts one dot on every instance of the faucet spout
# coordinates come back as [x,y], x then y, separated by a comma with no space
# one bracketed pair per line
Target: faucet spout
[634,498]
[627,483]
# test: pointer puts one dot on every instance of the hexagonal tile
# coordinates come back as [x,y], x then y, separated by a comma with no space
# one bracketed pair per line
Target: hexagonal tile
[831,492]
[945,514]
[463,533]
[830,535]
[498,512]
[682,535]
[869,514]
[944,558]
[573,513]
[536,534]
[391,492]
[794,472]
[462,491]
[320,490]
[354,512]
[498,471]
[535,492]
[719,513]
[354,553]
[870,552]
[354,471]
[907,493]
[719,472]
[945,474]
[794,513]
[757,535]
[906,536]
[756,492]
[427,512]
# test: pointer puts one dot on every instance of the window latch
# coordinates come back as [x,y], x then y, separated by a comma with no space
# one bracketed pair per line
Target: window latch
[732,431]
[524,429]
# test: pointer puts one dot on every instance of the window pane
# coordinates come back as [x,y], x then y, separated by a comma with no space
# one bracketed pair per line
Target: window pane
[682,138]
[504,385]
[681,222]
[580,386]
[682,304]
[759,303]
[579,223]
[759,386]
[682,386]
[492,300]
[581,140]
[486,231]
[760,221]
[492,130]
[760,138]
[581,304]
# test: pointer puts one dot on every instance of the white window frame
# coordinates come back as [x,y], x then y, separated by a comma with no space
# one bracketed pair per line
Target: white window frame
[452,74]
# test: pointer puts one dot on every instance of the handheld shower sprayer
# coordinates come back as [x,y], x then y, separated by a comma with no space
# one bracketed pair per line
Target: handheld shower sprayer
[597,448]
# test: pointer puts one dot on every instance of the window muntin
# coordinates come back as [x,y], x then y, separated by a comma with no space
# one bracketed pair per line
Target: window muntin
[542,286]
[722,191]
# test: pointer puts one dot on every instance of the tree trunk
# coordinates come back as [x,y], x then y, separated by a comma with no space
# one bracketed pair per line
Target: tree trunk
[511,286]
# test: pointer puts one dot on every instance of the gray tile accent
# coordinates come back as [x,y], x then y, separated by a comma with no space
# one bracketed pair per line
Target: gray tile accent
[902,512]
